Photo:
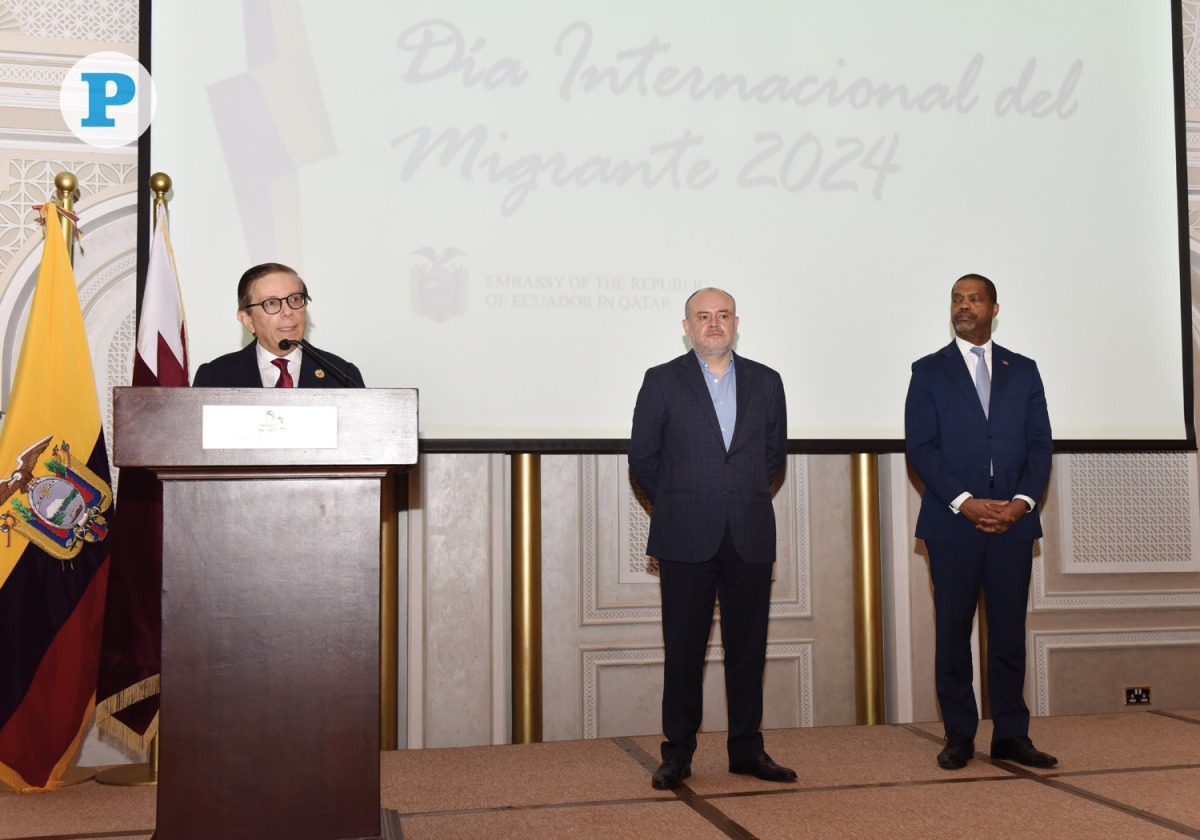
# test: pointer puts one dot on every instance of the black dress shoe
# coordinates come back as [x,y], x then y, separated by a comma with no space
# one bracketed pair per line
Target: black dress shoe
[1022,751]
[958,751]
[763,768]
[671,773]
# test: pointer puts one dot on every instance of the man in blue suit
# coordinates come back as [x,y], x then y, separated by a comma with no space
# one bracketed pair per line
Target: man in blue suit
[709,440]
[977,433]
[272,306]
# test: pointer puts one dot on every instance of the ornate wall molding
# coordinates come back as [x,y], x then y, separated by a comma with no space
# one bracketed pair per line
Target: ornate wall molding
[801,606]
[596,659]
[31,181]
[108,21]
[1191,60]
[38,71]
[1160,491]
[1044,601]
[596,608]
[1046,643]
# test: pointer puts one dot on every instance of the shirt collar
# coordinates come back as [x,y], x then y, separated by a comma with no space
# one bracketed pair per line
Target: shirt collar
[266,358]
[965,346]
[704,364]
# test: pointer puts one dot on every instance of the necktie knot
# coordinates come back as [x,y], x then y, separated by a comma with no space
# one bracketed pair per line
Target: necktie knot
[983,380]
[285,378]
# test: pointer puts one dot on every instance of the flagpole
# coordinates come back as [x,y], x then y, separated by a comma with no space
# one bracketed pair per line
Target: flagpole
[145,773]
[66,187]
[67,190]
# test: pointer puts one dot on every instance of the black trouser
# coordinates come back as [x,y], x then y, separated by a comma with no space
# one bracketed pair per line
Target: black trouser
[689,591]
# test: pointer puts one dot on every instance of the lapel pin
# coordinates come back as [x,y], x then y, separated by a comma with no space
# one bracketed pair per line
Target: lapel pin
[320,374]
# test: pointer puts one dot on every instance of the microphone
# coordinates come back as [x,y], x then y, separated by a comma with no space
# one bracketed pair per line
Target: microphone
[338,374]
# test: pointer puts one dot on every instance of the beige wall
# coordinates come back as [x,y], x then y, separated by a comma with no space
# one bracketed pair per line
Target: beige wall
[1091,631]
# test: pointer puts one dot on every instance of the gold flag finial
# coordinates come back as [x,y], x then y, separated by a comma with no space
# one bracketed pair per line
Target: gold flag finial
[160,183]
[68,189]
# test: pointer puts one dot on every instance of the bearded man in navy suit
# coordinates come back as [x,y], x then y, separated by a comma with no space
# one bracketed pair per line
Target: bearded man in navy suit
[977,432]
[709,440]
[272,306]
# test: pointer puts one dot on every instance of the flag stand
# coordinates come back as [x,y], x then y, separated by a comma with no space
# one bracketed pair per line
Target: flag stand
[77,775]
[133,775]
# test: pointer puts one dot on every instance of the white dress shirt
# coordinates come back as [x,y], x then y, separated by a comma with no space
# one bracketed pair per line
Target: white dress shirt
[972,361]
[270,373]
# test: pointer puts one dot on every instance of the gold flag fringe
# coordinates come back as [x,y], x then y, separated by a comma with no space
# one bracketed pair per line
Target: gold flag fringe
[112,729]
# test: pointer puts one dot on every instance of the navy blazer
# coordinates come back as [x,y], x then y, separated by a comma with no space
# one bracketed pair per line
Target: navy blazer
[953,446]
[240,370]
[678,458]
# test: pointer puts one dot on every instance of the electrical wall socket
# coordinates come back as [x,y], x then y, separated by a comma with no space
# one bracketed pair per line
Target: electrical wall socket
[1137,695]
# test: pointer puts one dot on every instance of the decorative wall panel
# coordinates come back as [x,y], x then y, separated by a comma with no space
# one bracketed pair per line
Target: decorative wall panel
[87,20]
[1130,513]
[1045,644]
[789,674]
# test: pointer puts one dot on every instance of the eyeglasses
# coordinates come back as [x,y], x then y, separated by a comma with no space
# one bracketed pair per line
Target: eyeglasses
[271,306]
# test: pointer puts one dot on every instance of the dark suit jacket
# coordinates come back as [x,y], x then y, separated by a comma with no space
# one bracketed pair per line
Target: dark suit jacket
[952,445]
[240,370]
[678,458]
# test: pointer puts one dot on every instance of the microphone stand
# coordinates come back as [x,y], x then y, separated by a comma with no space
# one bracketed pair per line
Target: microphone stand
[338,374]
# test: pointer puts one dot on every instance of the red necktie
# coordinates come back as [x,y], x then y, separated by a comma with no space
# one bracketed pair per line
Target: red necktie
[285,378]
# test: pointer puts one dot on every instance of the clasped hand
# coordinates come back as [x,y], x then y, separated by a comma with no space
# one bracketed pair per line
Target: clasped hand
[992,516]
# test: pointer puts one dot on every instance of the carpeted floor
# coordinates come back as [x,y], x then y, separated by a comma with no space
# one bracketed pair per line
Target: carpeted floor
[1122,775]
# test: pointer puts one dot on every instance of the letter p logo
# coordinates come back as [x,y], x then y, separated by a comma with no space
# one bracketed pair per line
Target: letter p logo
[105,89]
[107,99]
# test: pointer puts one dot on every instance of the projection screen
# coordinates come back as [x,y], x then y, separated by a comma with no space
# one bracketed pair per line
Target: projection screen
[506,205]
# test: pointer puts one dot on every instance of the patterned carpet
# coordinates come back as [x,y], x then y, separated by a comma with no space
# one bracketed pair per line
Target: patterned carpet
[1119,775]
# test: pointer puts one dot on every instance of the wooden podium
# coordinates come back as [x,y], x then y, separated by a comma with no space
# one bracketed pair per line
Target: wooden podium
[269,720]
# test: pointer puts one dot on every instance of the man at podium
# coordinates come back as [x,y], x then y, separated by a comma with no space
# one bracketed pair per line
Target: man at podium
[272,306]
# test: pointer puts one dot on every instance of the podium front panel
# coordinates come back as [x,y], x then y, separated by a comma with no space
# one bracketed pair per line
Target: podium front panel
[270,660]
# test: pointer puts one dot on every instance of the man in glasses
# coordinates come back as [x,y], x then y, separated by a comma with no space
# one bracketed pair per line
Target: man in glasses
[272,306]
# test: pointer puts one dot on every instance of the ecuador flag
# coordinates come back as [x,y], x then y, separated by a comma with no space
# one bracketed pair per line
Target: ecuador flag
[55,503]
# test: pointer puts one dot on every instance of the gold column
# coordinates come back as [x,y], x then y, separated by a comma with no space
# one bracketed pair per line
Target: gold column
[389,612]
[868,598]
[526,598]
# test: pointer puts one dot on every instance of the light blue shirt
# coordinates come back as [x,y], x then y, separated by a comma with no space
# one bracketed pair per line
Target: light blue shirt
[724,396]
